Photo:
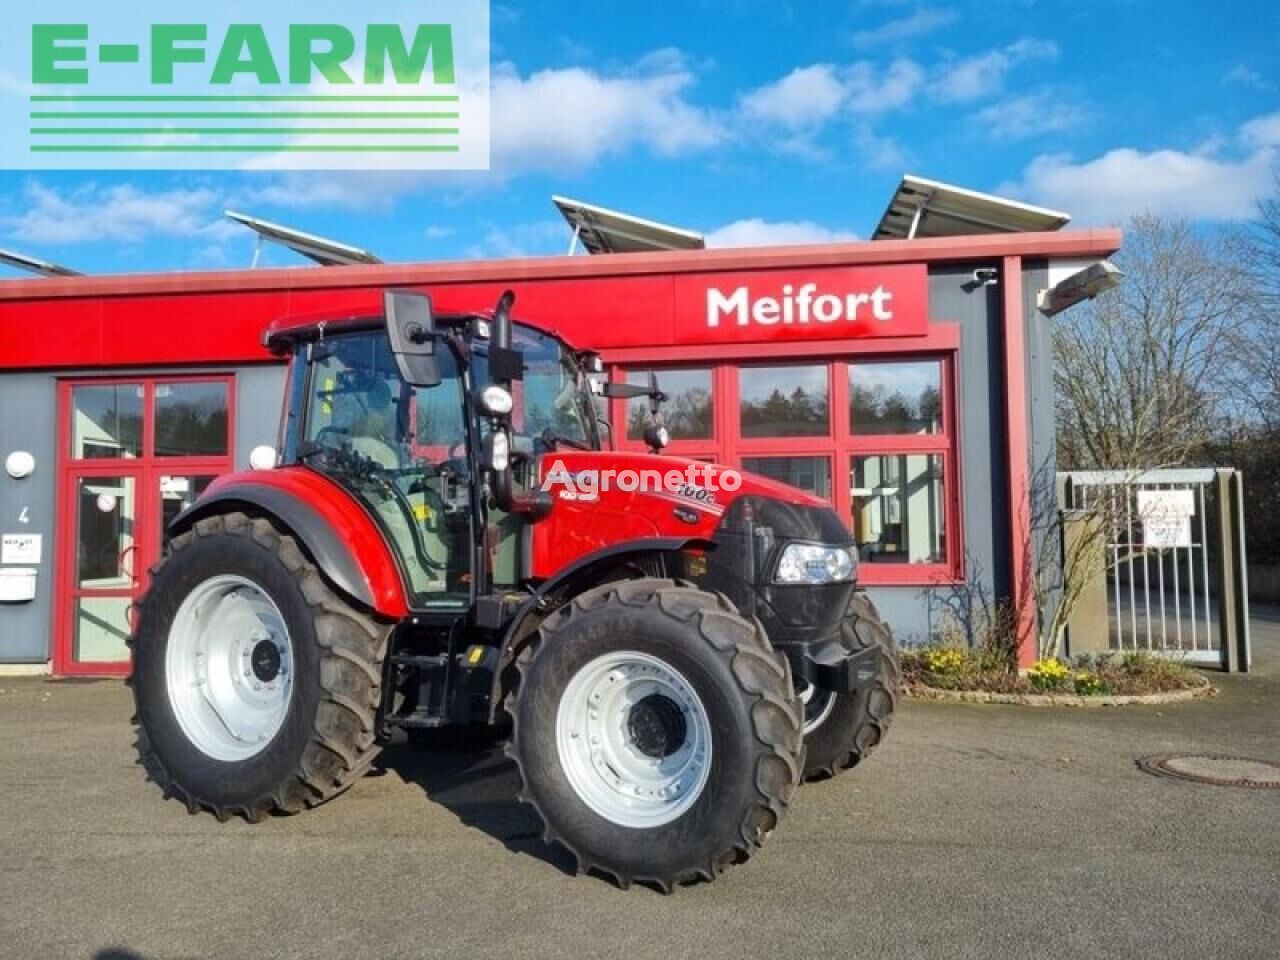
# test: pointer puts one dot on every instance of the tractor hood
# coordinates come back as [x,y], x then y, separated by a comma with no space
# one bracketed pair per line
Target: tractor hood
[602,499]
[570,475]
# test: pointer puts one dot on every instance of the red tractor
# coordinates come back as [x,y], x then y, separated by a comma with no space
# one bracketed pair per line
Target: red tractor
[441,547]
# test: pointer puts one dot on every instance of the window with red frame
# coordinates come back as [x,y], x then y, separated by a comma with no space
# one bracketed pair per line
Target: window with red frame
[870,433]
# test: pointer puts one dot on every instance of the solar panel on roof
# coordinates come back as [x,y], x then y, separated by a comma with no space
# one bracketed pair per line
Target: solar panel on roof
[44,268]
[601,230]
[929,208]
[326,252]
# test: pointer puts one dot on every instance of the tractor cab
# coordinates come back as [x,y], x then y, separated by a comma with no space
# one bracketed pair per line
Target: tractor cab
[425,443]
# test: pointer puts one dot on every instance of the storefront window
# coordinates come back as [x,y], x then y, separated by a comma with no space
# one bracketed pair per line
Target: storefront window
[783,401]
[899,511]
[191,419]
[807,473]
[689,413]
[107,421]
[895,398]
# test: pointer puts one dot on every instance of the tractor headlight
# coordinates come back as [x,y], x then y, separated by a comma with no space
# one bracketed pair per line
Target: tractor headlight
[499,451]
[815,563]
[496,400]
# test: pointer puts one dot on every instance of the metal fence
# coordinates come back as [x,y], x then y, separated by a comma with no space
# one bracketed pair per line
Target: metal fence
[1174,560]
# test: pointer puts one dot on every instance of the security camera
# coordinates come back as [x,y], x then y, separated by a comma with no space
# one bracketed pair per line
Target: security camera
[982,277]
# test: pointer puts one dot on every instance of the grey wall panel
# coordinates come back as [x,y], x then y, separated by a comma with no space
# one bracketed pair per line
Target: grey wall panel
[259,397]
[28,418]
[1042,426]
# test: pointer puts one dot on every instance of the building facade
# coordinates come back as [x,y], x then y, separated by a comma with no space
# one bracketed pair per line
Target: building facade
[907,381]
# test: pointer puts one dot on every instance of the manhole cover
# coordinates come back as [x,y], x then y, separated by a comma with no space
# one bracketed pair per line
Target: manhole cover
[1222,771]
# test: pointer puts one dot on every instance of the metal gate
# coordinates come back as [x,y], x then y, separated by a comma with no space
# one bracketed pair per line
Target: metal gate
[1174,560]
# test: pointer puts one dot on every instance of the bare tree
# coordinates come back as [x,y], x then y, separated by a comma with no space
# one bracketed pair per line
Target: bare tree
[1139,371]
[1257,338]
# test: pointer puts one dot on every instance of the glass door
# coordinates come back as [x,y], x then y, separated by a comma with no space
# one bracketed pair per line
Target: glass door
[134,454]
[105,577]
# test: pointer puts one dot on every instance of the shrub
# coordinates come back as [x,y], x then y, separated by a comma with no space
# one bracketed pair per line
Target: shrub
[1089,684]
[946,660]
[1050,674]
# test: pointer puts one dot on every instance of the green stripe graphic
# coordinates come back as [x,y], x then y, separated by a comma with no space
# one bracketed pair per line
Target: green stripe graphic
[237,115]
[227,98]
[118,53]
[243,148]
[283,131]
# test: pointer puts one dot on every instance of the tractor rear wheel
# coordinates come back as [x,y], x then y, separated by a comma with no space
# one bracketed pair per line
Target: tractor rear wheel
[842,729]
[256,686]
[656,732]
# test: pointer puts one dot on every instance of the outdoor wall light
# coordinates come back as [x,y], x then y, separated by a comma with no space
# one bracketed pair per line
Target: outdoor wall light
[19,464]
[262,458]
[1084,284]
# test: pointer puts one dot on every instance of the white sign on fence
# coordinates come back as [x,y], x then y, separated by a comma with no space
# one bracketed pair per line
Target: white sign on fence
[1166,518]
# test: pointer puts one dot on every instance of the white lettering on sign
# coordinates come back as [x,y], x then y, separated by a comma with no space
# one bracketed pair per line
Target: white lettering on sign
[797,306]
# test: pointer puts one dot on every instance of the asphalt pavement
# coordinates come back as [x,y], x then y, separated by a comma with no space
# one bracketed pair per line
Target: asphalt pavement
[976,831]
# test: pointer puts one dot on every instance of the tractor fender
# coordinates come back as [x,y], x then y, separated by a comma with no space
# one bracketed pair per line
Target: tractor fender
[331,528]
[581,575]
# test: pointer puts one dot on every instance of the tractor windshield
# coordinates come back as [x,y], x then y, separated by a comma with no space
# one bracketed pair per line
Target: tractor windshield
[554,397]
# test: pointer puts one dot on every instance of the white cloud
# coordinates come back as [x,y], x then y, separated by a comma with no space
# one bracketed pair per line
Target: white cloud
[880,152]
[1262,131]
[805,97]
[873,90]
[1203,184]
[559,121]
[570,119]
[920,22]
[1245,76]
[120,213]
[1030,115]
[756,232]
[537,239]
[982,75]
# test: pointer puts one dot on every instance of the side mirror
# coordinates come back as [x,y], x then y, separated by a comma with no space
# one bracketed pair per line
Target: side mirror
[411,328]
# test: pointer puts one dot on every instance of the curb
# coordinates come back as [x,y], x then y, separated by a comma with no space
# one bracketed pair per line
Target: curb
[921,692]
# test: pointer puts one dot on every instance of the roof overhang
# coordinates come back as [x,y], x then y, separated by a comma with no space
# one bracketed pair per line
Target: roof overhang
[929,208]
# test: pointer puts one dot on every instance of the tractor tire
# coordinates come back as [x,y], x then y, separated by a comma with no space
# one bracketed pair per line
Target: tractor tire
[842,730]
[256,686]
[656,731]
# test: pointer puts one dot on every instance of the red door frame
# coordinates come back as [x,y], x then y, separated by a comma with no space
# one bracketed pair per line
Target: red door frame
[146,471]
[839,445]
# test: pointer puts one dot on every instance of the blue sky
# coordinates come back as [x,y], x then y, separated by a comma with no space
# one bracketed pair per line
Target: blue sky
[755,121]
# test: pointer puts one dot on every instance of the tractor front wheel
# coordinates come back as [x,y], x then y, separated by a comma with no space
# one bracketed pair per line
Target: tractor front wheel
[842,729]
[256,686]
[656,732]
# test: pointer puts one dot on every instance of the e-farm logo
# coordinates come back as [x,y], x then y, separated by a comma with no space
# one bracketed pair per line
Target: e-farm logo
[129,91]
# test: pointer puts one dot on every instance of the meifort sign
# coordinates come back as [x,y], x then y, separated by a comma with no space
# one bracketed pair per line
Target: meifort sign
[888,301]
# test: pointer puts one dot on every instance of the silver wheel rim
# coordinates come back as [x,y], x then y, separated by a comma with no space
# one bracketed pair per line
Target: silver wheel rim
[818,705]
[229,668]
[634,739]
